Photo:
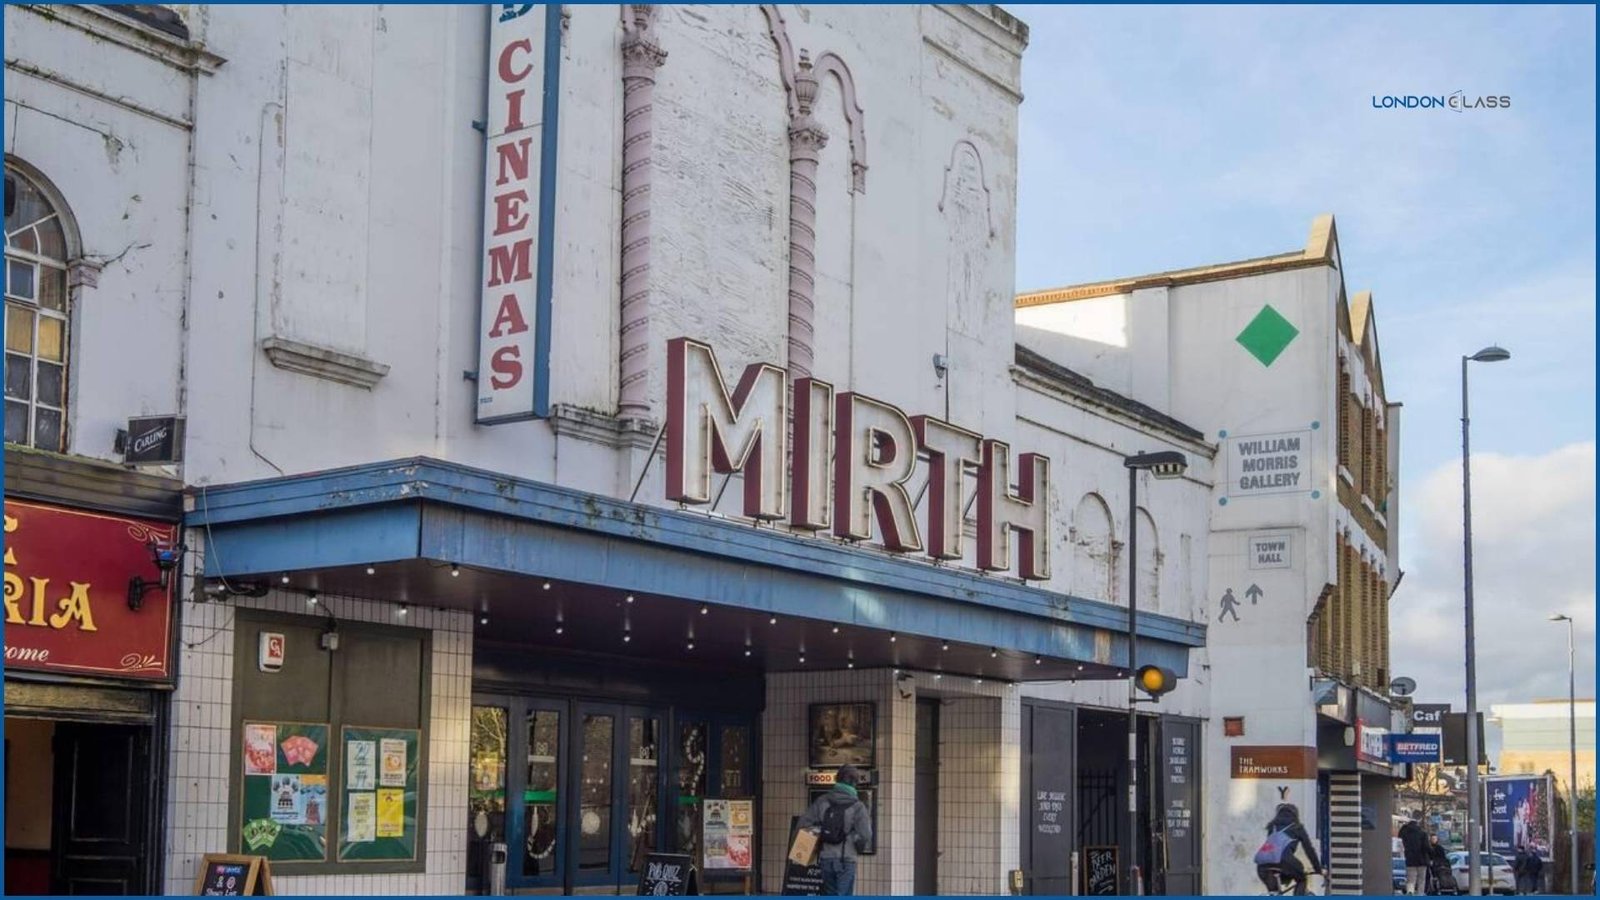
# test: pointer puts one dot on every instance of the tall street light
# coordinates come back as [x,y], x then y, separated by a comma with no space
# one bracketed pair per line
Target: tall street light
[1475,878]
[1165,464]
[1572,752]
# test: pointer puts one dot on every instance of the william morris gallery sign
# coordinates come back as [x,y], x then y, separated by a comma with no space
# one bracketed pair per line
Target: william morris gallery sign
[847,467]
[66,593]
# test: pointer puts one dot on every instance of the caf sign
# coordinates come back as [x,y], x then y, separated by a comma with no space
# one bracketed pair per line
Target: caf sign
[848,461]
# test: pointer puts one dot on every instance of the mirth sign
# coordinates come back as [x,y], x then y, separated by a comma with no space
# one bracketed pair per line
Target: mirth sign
[847,465]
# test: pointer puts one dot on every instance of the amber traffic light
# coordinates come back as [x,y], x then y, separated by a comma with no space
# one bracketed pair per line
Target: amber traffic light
[1155,680]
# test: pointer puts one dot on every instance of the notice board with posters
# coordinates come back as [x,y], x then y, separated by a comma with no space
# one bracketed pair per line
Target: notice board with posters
[378,794]
[283,810]
[727,830]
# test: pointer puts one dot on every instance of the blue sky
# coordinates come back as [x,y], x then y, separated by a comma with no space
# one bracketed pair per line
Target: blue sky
[1159,137]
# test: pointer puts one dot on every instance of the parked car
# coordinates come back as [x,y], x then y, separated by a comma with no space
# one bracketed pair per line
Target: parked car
[1399,875]
[1496,875]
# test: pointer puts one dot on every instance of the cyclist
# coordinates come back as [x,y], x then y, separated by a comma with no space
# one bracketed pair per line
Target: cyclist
[1286,834]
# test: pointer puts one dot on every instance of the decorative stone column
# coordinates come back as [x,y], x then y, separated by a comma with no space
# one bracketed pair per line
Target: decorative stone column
[641,56]
[806,140]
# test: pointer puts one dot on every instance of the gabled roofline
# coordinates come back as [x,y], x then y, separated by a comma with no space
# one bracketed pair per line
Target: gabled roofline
[1321,249]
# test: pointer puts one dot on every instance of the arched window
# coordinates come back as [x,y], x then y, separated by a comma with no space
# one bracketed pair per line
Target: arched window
[36,317]
[1091,549]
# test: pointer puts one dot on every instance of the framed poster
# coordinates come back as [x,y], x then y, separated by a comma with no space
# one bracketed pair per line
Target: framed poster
[843,734]
[283,808]
[380,794]
[727,828]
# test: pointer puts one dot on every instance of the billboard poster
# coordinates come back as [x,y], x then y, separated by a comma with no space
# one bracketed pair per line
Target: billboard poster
[1520,813]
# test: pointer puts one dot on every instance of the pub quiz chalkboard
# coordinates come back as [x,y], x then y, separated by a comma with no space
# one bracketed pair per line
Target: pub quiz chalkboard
[667,875]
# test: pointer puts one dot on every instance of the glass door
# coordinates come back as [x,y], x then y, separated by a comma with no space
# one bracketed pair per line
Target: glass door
[486,794]
[536,839]
[644,791]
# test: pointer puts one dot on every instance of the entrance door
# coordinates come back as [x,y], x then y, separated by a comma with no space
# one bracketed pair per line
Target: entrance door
[925,873]
[101,823]
[1050,809]
[1178,827]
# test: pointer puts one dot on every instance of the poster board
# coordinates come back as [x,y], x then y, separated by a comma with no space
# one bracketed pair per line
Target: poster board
[378,794]
[233,875]
[842,734]
[667,875]
[1100,871]
[283,808]
[727,829]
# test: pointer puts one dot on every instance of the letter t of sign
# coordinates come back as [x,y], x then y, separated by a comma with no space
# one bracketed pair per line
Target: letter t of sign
[1000,513]
[950,450]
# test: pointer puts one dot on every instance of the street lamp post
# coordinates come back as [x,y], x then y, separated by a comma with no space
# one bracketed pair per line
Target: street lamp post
[1572,752]
[1475,874]
[1165,464]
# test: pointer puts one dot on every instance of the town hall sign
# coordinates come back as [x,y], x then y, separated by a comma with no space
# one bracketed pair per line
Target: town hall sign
[873,448]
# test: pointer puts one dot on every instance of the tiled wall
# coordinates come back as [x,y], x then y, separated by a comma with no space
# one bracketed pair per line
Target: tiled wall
[197,811]
[979,782]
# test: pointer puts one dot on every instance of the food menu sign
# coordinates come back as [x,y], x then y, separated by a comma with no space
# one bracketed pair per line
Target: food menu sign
[284,803]
[67,611]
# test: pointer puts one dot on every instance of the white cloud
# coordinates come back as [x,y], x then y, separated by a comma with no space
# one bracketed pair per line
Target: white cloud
[1533,532]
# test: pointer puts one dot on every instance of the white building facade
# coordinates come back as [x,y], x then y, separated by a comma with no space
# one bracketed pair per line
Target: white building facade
[347,238]
[1280,368]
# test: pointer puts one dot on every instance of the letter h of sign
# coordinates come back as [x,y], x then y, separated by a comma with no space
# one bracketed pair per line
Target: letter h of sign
[1000,513]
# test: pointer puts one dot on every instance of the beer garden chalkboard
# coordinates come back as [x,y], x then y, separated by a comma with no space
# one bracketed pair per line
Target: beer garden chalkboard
[1100,871]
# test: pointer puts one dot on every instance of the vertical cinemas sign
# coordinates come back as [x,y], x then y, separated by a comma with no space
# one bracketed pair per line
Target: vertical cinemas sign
[66,593]
[513,338]
[849,464]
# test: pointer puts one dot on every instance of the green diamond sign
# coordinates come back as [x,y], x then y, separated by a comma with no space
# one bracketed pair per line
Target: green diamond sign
[1267,335]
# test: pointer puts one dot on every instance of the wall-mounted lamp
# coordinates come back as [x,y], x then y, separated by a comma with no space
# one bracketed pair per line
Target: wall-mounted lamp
[166,558]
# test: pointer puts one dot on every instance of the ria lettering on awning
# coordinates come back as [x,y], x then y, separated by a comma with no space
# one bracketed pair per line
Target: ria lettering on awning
[874,450]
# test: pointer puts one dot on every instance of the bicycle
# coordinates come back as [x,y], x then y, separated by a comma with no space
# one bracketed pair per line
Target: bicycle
[1281,888]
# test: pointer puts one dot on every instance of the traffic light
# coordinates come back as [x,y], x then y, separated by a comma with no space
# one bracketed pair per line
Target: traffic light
[1155,680]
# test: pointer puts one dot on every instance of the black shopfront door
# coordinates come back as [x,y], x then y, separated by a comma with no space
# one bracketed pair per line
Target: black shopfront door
[101,793]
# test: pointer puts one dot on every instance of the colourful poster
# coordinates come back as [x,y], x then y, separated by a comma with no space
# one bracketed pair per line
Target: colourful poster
[391,812]
[727,826]
[360,819]
[361,765]
[285,798]
[392,772]
[313,800]
[260,753]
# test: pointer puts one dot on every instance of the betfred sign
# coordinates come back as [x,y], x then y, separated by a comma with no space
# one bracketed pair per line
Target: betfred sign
[515,249]
[66,593]
[1415,748]
[849,463]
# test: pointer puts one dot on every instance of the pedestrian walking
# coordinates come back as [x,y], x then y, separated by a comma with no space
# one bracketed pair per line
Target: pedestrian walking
[844,827]
[1414,842]
[1527,867]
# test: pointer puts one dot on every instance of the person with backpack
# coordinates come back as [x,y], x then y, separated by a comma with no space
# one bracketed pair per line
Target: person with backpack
[844,828]
[1276,859]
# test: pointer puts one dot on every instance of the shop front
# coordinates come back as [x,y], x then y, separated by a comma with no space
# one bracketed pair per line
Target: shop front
[628,680]
[89,555]
[1355,786]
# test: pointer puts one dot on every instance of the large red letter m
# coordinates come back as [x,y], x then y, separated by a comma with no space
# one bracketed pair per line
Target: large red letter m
[710,431]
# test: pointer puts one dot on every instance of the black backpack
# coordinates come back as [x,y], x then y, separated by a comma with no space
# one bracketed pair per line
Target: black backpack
[835,822]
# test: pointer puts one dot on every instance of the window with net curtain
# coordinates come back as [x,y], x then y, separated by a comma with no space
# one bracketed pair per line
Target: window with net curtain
[36,318]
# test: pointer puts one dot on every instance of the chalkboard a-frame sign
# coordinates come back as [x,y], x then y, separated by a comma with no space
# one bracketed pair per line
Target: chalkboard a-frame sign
[232,875]
[1100,871]
[667,875]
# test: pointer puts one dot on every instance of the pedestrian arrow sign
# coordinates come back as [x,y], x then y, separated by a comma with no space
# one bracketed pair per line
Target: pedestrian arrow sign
[1254,593]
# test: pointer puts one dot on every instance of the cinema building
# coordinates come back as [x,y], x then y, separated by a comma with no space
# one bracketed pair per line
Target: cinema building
[1280,368]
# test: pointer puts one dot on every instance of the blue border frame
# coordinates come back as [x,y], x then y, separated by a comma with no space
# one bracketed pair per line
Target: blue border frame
[549,141]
